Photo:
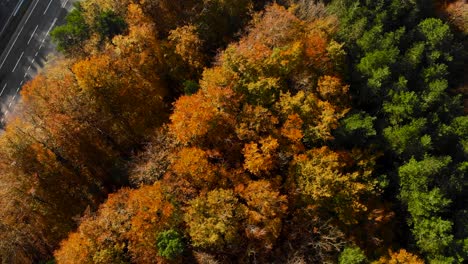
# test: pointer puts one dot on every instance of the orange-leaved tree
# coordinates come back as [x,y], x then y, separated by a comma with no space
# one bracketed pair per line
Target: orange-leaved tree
[125,229]
[252,154]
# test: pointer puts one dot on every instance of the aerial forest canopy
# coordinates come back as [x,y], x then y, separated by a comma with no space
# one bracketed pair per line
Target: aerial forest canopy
[241,131]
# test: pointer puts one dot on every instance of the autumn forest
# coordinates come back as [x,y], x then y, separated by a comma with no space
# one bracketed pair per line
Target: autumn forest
[243,131]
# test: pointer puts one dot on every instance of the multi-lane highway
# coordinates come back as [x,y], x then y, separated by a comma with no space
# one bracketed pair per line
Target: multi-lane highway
[29,47]
[11,12]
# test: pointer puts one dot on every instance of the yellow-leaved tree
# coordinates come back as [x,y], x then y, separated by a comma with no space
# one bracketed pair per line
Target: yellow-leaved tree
[252,163]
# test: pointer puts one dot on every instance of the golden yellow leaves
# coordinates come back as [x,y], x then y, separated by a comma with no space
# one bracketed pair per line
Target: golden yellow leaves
[265,209]
[89,72]
[124,81]
[97,233]
[331,88]
[255,122]
[320,173]
[319,117]
[214,219]
[187,44]
[206,113]
[402,256]
[261,158]
[217,77]
[193,163]
[152,214]
[248,144]
[275,27]
[127,223]
[292,128]
[323,176]
[136,17]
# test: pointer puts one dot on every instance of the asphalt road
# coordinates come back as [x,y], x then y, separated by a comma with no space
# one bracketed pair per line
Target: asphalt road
[8,10]
[28,48]
[11,12]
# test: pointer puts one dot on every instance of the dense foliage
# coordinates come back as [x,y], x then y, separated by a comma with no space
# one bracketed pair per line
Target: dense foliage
[406,64]
[299,132]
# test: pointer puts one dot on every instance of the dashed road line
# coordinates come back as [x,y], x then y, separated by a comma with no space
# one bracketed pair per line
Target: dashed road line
[51,26]
[65,4]
[31,11]
[16,65]
[16,38]
[6,24]
[3,89]
[47,8]
[34,7]
[48,31]
[11,101]
[17,7]
[32,35]
[4,115]
[11,47]
[15,10]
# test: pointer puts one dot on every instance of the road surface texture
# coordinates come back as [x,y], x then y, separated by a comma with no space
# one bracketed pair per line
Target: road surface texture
[28,48]
[11,12]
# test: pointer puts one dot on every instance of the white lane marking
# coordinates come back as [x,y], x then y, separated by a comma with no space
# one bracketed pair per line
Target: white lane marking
[34,7]
[29,68]
[37,52]
[15,10]
[11,101]
[25,74]
[48,31]
[11,47]
[32,35]
[4,86]
[47,8]
[51,26]
[17,89]
[18,7]
[65,4]
[21,56]
[21,83]
[19,33]
[4,26]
